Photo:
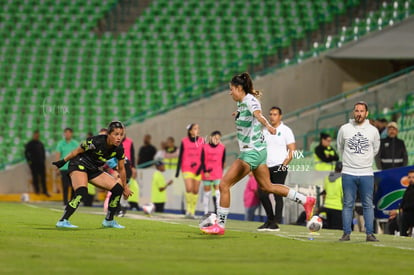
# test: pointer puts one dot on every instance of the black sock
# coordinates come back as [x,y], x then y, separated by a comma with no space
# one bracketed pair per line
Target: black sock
[215,204]
[70,208]
[267,205]
[114,200]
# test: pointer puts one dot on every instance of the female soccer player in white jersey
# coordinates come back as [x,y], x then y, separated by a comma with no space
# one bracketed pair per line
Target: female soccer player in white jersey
[249,123]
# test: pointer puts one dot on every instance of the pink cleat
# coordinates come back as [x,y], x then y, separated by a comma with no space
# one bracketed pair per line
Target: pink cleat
[308,205]
[214,229]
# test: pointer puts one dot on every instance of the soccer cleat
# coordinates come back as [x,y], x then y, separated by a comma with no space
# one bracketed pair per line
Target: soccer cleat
[214,229]
[111,224]
[308,205]
[65,224]
[371,238]
[345,237]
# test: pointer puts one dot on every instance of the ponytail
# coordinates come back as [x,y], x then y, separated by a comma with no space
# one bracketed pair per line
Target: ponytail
[245,81]
[257,94]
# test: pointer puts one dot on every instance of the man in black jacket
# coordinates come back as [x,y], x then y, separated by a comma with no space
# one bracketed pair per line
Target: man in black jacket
[392,152]
[146,153]
[35,156]
[407,206]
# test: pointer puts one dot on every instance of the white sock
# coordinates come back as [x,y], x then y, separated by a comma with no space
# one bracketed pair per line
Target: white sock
[217,198]
[222,216]
[206,200]
[123,202]
[296,196]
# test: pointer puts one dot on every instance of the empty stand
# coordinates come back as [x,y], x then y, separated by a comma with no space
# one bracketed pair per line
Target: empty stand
[55,72]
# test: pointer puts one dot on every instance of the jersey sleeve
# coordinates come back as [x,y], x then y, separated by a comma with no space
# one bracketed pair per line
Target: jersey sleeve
[120,154]
[290,138]
[223,159]
[180,158]
[340,141]
[254,105]
[88,144]
[202,161]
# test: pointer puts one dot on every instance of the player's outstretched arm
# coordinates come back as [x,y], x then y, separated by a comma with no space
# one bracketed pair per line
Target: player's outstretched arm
[70,156]
[260,117]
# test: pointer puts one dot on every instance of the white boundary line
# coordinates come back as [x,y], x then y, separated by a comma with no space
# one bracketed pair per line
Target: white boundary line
[295,237]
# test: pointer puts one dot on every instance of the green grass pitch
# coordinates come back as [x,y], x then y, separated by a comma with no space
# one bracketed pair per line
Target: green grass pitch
[163,244]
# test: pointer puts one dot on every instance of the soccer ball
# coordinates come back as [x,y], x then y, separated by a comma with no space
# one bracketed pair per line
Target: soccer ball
[25,197]
[315,224]
[207,220]
[148,208]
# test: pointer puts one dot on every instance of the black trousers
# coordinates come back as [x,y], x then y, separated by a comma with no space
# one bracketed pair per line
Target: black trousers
[66,186]
[407,221]
[159,207]
[88,200]
[334,218]
[39,178]
[277,177]
[392,226]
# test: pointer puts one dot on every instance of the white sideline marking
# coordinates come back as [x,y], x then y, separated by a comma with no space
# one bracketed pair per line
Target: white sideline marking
[37,207]
[31,205]
[399,247]
[290,237]
[302,238]
[56,210]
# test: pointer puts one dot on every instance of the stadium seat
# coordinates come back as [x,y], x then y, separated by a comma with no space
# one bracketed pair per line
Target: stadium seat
[175,51]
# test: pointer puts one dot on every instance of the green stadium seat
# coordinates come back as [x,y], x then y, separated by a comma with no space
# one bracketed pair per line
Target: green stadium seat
[176,50]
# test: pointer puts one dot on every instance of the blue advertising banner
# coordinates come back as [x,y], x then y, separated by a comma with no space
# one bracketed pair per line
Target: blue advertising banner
[390,187]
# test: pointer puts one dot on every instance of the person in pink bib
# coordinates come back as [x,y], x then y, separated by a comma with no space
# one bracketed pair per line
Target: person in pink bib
[189,161]
[213,157]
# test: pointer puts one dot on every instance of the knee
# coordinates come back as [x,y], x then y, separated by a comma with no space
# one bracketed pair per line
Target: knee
[83,191]
[367,202]
[266,188]
[349,199]
[368,205]
[224,187]
[348,203]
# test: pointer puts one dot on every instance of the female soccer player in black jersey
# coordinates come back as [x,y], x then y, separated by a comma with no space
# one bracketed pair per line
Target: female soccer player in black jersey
[85,166]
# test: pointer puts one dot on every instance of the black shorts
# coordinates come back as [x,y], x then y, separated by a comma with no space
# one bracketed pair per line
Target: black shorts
[77,166]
